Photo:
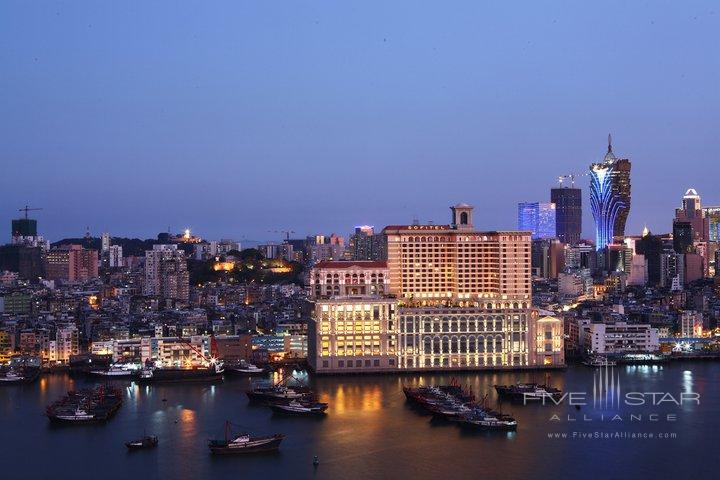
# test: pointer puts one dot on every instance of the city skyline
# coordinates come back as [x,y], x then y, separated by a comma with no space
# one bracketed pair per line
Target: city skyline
[226,136]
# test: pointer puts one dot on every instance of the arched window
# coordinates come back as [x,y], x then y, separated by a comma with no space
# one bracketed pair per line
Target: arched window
[427,347]
[463,218]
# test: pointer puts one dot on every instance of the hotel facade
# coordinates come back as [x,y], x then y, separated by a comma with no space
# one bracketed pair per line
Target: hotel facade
[457,299]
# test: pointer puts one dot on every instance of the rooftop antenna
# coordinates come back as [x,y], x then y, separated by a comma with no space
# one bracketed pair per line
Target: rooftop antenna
[415,220]
[609,143]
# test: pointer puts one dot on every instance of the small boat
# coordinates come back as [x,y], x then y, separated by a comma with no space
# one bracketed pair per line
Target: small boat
[273,394]
[115,371]
[18,376]
[489,420]
[244,444]
[246,369]
[599,361]
[299,407]
[148,441]
[12,377]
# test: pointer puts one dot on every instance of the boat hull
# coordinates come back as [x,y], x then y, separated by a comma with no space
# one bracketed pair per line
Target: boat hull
[264,446]
[286,410]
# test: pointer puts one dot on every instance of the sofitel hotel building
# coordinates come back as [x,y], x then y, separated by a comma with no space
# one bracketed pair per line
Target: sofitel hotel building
[448,298]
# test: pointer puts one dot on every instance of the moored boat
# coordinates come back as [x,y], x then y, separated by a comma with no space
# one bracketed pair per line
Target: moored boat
[86,406]
[245,369]
[116,371]
[211,373]
[488,420]
[19,376]
[273,394]
[300,407]
[599,361]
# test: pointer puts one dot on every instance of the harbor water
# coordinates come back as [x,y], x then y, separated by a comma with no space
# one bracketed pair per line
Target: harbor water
[651,421]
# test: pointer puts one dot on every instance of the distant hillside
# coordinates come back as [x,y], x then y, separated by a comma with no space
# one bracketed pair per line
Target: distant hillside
[130,246]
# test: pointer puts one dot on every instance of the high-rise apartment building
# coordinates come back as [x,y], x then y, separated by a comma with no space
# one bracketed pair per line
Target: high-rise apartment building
[610,197]
[538,218]
[568,214]
[166,273]
[365,244]
[71,263]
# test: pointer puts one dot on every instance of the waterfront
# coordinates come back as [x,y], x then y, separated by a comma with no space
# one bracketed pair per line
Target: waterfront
[370,431]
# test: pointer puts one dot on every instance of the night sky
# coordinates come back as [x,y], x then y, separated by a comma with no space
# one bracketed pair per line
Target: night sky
[238,118]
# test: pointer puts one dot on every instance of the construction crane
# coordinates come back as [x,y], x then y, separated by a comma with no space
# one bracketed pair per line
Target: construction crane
[286,232]
[28,209]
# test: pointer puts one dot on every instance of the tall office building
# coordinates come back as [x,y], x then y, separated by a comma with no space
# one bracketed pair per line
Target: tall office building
[538,218]
[166,273]
[568,214]
[610,197]
[693,213]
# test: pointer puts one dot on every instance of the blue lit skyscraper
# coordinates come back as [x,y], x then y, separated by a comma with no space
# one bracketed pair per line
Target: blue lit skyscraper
[538,218]
[609,197]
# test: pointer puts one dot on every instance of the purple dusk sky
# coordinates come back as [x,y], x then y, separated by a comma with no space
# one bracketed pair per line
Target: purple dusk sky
[237,118]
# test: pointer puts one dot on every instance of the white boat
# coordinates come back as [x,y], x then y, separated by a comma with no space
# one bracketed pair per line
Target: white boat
[246,369]
[599,361]
[12,377]
[300,408]
[79,415]
[115,371]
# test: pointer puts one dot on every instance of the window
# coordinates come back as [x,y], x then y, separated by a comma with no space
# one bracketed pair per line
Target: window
[325,364]
[341,363]
[376,363]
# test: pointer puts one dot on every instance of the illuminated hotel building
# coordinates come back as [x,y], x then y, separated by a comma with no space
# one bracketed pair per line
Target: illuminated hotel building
[433,264]
[354,327]
[349,278]
[610,197]
[460,299]
[353,334]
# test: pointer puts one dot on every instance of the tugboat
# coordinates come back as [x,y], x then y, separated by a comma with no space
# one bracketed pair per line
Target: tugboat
[147,441]
[244,444]
[300,407]
[527,392]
